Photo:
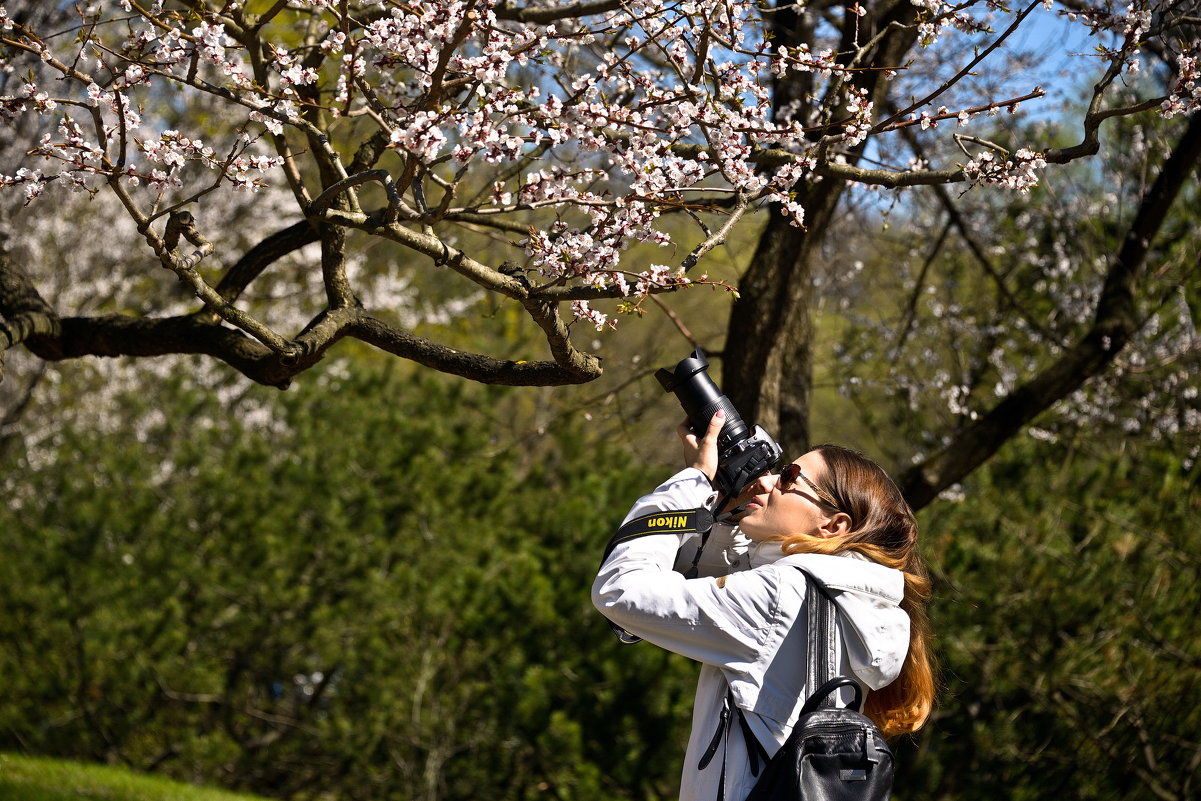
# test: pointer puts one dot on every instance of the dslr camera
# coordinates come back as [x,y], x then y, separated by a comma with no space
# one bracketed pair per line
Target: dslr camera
[743,454]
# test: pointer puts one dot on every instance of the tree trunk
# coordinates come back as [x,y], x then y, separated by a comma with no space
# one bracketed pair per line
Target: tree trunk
[767,369]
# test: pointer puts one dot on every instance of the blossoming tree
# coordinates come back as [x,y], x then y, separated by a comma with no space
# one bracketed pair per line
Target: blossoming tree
[554,133]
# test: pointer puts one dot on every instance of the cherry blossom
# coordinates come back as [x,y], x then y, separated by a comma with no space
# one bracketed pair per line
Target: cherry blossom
[574,134]
[1013,172]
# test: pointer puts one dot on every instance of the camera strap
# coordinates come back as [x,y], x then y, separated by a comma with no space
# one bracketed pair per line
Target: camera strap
[676,521]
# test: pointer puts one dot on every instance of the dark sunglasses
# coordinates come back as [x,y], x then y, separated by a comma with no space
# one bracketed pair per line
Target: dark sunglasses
[790,473]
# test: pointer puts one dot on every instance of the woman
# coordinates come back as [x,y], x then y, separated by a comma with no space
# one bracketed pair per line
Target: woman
[833,514]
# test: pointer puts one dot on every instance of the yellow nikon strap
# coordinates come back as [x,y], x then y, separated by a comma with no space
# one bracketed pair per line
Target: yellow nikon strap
[679,521]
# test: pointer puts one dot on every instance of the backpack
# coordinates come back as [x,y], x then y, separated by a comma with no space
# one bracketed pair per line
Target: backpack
[832,754]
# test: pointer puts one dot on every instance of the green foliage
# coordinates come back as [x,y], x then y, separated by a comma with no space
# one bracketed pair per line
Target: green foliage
[25,778]
[379,590]
[369,595]
[1069,587]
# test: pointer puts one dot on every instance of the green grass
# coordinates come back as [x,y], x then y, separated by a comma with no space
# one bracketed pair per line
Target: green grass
[25,778]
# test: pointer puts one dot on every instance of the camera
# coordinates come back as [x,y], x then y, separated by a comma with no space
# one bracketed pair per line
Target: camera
[743,454]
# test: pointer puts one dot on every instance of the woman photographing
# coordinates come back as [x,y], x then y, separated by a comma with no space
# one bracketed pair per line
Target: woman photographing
[833,515]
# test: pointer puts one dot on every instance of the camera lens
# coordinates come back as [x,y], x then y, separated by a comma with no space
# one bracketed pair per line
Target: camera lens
[701,399]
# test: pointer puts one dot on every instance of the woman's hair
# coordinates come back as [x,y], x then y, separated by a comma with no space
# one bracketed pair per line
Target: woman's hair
[884,530]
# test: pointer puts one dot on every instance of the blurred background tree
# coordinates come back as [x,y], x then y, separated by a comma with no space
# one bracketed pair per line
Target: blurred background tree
[514,154]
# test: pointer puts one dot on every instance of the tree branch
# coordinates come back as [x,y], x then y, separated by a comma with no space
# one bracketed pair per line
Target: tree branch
[265,253]
[1114,322]
[24,313]
[583,8]
[121,335]
[182,223]
[967,70]
[480,368]
[965,231]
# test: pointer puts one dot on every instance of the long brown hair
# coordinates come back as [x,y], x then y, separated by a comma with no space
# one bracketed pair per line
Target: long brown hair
[884,530]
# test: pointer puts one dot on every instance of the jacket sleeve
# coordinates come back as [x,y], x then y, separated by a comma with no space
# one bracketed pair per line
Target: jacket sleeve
[722,554]
[638,590]
[687,489]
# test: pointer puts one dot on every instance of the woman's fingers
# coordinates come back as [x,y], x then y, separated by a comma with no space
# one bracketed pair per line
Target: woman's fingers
[701,453]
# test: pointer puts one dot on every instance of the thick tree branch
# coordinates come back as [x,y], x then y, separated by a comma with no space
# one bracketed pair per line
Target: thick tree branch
[480,368]
[121,335]
[24,315]
[338,293]
[584,8]
[558,337]
[262,255]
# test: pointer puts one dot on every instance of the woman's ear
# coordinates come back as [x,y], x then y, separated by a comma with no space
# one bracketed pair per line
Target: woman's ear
[837,525]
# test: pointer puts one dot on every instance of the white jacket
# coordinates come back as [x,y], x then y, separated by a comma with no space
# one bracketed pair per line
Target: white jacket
[750,635]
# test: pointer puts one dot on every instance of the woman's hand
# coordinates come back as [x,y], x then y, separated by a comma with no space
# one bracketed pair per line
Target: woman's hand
[702,453]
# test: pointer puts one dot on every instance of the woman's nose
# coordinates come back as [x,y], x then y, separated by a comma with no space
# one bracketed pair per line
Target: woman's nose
[765,482]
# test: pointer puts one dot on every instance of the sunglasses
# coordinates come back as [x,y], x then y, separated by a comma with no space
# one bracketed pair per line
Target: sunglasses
[790,473]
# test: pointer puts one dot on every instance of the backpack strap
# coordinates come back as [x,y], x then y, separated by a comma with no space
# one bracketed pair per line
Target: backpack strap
[823,693]
[754,748]
[823,643]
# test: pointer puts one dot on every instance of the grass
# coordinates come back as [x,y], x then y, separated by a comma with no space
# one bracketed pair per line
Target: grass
[25,778]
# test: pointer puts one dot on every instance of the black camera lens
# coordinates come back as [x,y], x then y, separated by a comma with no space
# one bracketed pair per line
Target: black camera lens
[701,399]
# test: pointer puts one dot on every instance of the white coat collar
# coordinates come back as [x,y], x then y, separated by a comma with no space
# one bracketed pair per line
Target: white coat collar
[868,596]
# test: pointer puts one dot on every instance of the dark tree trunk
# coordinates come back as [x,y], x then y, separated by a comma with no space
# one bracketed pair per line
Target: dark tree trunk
[767,368]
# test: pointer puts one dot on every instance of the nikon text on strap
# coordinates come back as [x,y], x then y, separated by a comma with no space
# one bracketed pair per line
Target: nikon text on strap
[681,521]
